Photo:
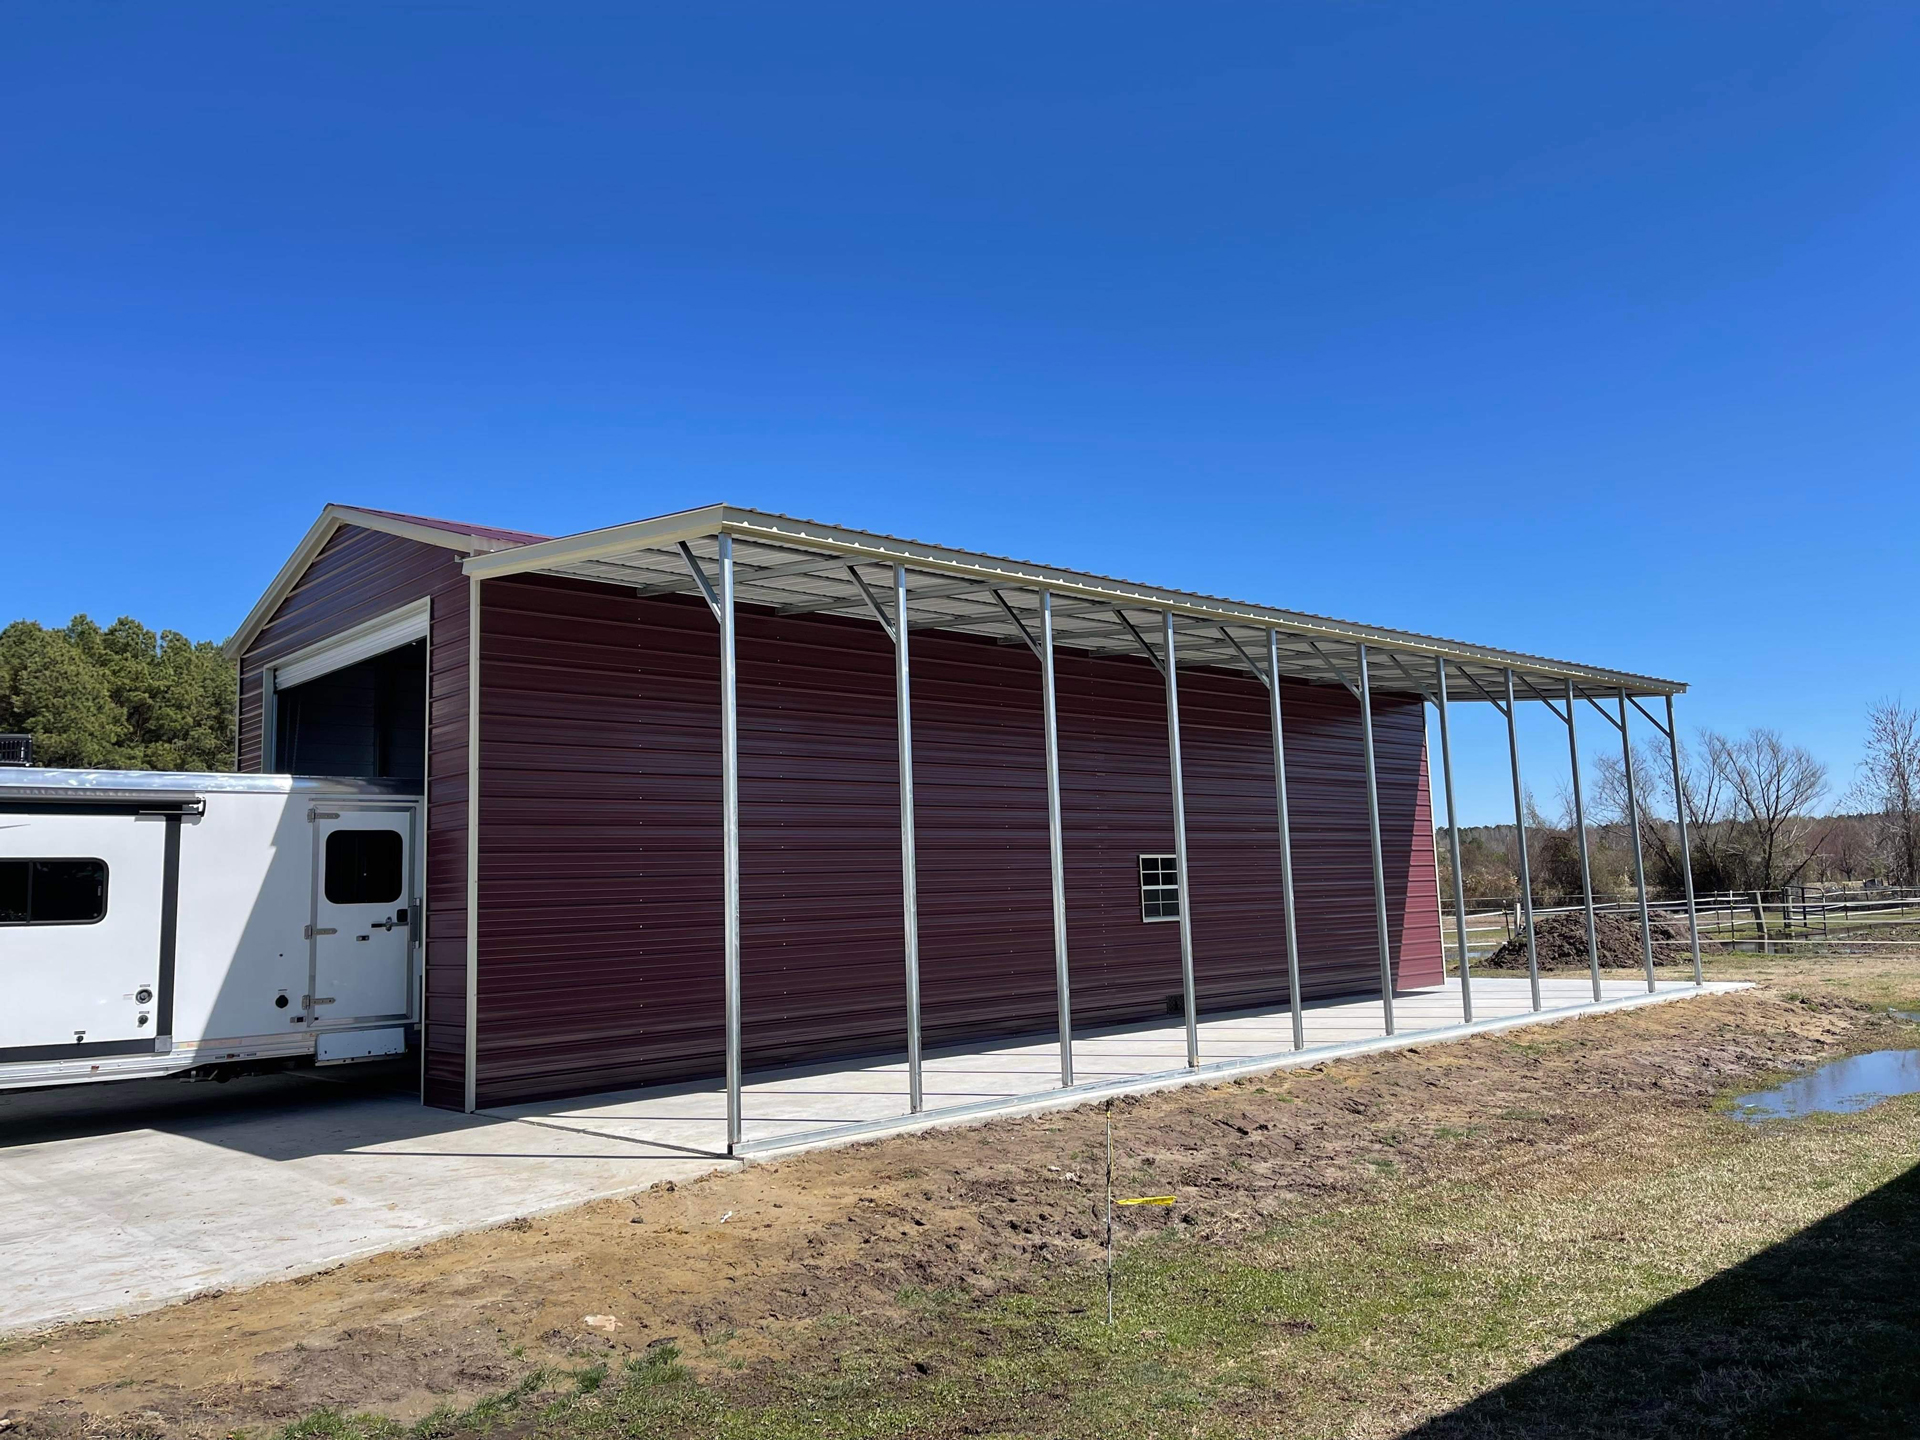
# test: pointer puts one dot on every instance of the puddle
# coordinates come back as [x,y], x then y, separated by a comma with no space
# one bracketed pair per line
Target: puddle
[1847,1085]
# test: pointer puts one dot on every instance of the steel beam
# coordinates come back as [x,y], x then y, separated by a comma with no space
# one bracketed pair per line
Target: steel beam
[871,600]
[1580,828]
[1520,823]
[1172,672]
[829,604]
[1453,847]
[909,868]
[1286,840]
[700,579]
[1140,641]
[1365,694]
[1639,863]
[1686,855]
[730,829]
[1056,842]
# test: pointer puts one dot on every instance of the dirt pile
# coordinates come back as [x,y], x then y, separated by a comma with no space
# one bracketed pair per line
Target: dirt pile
[1561,941]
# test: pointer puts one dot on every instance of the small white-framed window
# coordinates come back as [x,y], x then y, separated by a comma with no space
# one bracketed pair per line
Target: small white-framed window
[1159,888]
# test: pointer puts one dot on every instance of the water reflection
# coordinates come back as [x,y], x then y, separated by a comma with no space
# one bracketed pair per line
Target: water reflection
[1842,1087]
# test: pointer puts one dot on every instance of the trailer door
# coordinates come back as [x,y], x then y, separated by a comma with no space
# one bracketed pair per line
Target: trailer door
[364,913]
[82,917]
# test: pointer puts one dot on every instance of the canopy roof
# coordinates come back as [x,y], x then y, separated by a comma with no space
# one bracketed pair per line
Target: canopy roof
[802,567]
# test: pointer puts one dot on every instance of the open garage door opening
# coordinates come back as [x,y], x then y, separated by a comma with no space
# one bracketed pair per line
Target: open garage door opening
[366,721]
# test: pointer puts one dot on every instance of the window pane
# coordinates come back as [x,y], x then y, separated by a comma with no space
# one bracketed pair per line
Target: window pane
[364,867]
[68,892]
[13,892]
[1159,888]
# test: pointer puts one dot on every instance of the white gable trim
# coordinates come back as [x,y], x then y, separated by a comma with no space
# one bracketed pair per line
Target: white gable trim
[315,540]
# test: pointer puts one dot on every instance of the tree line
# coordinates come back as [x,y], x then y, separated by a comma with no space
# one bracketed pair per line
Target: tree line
[1762,814]
[118,698]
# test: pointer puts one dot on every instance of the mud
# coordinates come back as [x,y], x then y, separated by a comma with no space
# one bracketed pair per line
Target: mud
[781,1263]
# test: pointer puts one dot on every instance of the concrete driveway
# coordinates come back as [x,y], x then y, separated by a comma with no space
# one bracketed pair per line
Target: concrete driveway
[121,1197]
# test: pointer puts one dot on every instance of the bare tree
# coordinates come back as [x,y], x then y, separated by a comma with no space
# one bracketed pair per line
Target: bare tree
[1889,787]
[1772,788]
[1849,849]
[1659,836]
[1608,802]
[1714,846]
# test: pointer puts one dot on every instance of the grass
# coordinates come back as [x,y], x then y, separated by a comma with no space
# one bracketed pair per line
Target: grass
[1362,1320]
[1672,1273]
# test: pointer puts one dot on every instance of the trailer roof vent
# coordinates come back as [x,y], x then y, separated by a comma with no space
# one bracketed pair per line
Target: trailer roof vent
[16,750]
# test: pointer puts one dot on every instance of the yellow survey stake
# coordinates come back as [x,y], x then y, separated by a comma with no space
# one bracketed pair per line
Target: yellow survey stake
[1147,1200]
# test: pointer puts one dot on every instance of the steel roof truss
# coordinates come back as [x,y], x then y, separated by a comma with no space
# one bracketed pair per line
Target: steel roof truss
[1492,699]
[1421,690]
[873,603]
[1338,673]
[1258,673]
[1141,640]
[1018,624]
[1650,720]
[1542,698]
[1605,713]
[700,579]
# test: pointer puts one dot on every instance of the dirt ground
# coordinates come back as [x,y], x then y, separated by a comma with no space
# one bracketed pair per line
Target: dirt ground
[771,1266]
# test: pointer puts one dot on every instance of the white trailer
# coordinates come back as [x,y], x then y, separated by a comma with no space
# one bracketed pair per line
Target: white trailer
[154,923]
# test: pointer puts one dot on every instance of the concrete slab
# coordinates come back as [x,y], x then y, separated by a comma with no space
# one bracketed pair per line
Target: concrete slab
[118,1198]
[789,1110]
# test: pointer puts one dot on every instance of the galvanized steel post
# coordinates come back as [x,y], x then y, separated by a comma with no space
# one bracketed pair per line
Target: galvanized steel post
[1639,864]
[1373,830]
[730,833]
[1580,827]
[1180,844]
[1520,824]
[1453,844]
[1686,855]
[471,1083]
[1056,843]
[909,877]
[1286,841]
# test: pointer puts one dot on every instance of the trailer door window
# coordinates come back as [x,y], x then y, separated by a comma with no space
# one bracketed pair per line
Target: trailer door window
[364,867]
[52,892]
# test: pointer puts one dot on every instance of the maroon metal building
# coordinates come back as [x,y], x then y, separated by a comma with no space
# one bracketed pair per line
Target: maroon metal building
[581,927]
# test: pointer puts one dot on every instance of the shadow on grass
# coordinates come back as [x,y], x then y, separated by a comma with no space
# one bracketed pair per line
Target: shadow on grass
[1818,1335]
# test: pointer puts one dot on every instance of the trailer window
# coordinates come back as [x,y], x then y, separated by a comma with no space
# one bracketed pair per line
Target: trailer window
[364,867]
[1159,888]
[52,892]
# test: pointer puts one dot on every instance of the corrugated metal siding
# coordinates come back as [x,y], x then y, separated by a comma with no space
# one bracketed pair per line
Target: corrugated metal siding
[600,921]
[358,575]
[445,1011]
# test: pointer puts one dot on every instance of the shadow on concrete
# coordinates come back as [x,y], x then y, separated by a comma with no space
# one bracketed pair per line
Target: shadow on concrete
[70,1112]
[1816,1336]
[296,1114]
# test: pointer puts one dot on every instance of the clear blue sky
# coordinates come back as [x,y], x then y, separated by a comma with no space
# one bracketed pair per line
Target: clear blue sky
[1584,330]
